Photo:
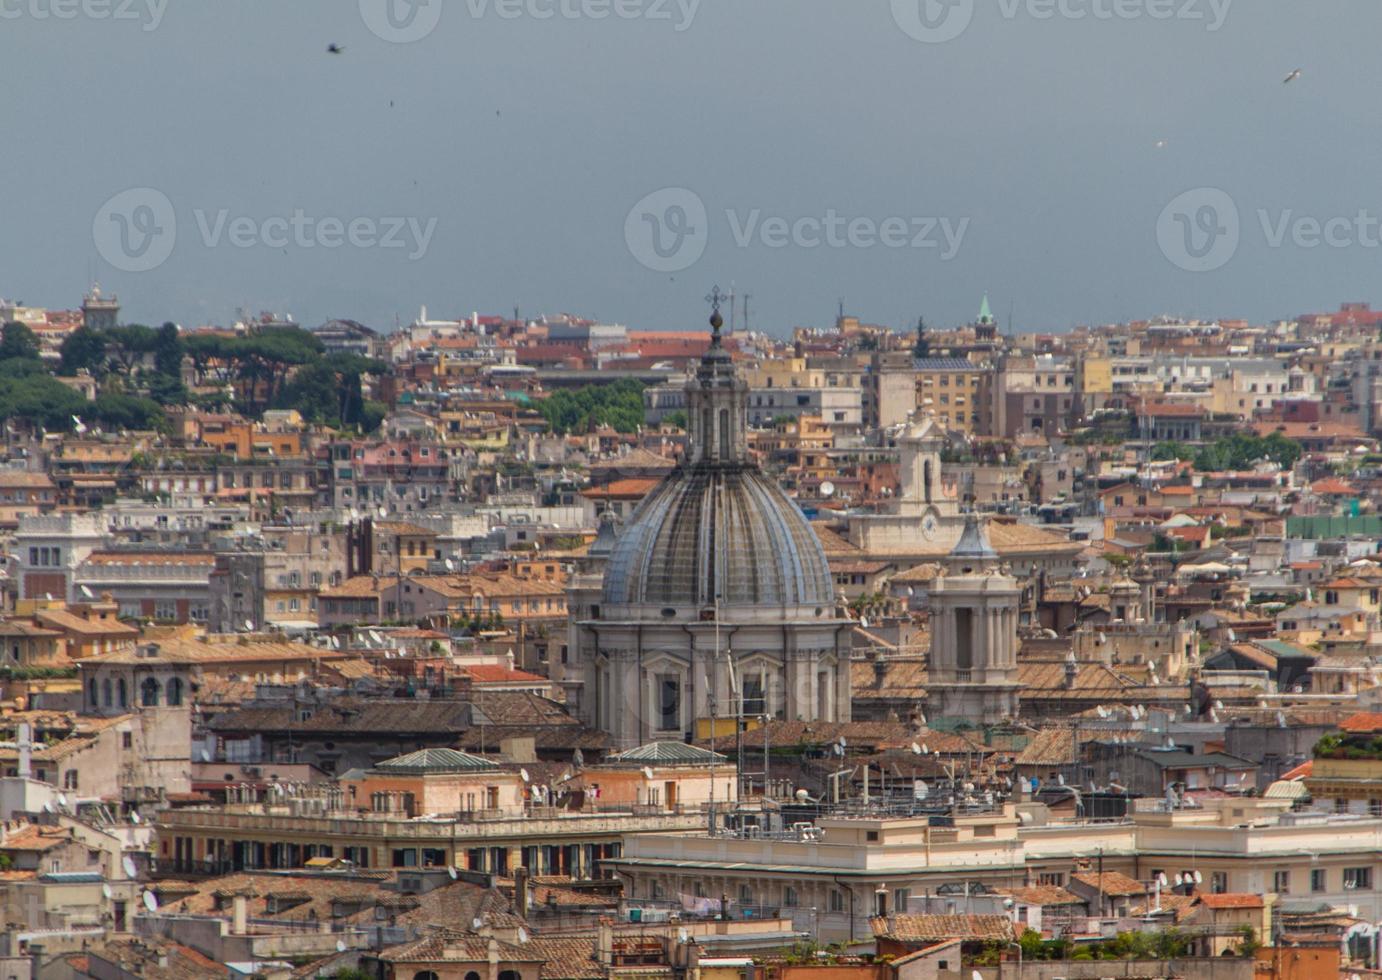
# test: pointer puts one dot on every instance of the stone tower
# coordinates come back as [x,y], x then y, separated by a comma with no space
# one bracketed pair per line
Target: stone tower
[972,678]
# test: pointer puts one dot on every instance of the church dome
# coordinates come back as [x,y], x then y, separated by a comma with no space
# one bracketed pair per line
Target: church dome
[709,530]
[717,528]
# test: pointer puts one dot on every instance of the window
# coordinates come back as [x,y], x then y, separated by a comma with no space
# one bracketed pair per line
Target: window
[901,896]
[745,895]
[1357,878]
[1281,882]
[789,897]
[837,900]
[174,693]
[1218,882]
[148,693]
[668,702]
[127,740]
[1317,879]
[425,975]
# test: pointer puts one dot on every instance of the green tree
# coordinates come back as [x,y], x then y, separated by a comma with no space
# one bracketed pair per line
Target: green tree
[922,347]
[84,348]
[168,351]
[618,405]
[18,342]
[1172,450]
[677,418]
[127,345]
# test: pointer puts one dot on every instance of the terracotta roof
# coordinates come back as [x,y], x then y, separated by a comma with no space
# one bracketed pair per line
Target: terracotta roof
[1044,895]
[931,928]
[1113,883]
[1230,900]
[1364,721]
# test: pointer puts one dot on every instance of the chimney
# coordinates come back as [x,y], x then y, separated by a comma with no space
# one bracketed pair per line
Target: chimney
[240,916]
[604,941]
[520,890]
[35,952]
[1072,669]
[881,903]
[25,749]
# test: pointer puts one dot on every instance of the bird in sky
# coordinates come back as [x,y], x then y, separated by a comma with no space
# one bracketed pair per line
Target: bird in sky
[1161,144]
[1292,77]
[334,48]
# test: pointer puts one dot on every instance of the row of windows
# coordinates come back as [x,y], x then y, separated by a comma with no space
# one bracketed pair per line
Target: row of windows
[49,557]
[114,694]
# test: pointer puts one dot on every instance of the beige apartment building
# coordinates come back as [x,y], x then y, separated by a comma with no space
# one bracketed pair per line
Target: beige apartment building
[830,881]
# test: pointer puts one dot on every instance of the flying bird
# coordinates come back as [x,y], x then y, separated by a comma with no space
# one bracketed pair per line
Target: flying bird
[1291,77]
[334,48]
[1161,144]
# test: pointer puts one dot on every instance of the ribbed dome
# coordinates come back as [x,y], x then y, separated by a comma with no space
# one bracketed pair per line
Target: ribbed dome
[718,529]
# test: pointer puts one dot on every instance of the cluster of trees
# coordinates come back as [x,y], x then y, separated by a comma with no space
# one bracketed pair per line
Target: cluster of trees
[29,392]
[618,405]
[275,367]
[1161,944]
[1238,451]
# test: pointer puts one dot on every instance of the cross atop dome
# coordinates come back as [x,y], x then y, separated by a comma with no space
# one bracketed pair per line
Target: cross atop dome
[716,320]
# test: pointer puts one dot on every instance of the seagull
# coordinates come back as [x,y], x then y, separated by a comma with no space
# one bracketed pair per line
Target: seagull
[334,48]
[1161,144]
[1291,77]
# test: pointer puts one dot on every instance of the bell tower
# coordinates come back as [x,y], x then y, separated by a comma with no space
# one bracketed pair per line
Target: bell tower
[972,676]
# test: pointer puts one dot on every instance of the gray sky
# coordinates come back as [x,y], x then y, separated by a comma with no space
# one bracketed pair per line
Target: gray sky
[530,140]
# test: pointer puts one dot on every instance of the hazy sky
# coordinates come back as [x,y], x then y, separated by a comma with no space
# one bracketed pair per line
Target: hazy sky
[1019,157]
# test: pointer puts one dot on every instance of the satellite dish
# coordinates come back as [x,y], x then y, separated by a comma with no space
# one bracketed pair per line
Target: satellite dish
[150,902]
[648,772]
[62,799]
[340,946]
[48,596]
[383,511]
[1180,880]
[925,749]
[206,756]
[827,489]
[105,890]
[522,935]
[127,863]
[477,923]
[916,749]
[1199,878]
[1161,878]
[134,816]
[843,743]
[451,870]
[87,592]
[1060,778]
[450,565]
[523,774]
[249,625]
[864,622]
[975,975]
